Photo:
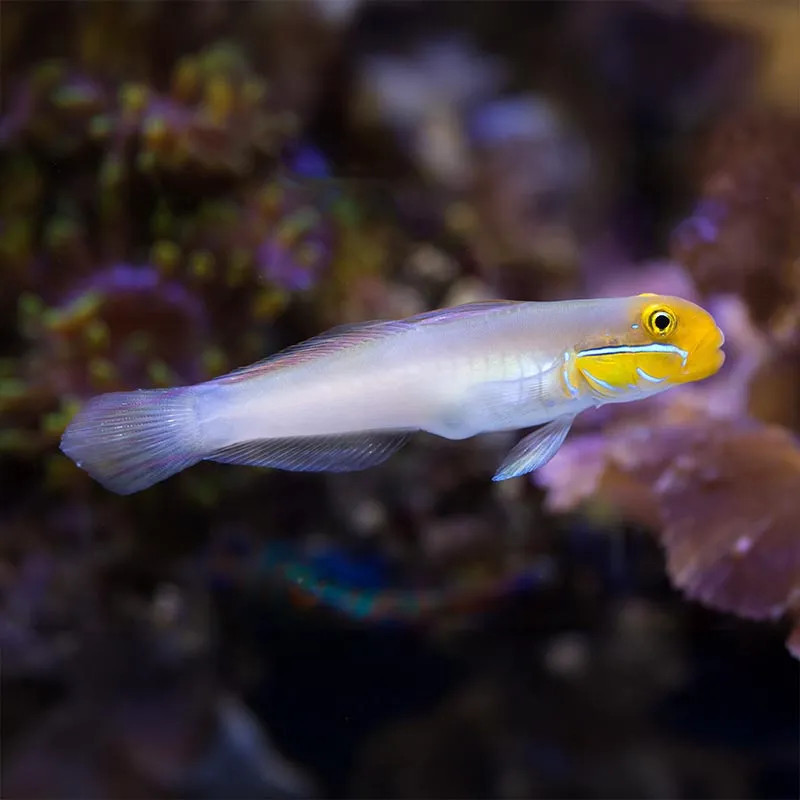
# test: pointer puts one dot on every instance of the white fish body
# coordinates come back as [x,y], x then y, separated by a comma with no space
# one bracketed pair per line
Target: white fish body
[454,377]
[349,398]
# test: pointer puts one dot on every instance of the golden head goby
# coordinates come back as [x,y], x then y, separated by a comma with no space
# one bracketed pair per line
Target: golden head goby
[667,341]
[349,398]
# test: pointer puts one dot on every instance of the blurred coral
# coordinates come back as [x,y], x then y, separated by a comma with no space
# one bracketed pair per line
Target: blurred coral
[743,236]
[722,496]
[776,26]
[191,181]
[146,715]
[424,95]
[532,180]
[555,733]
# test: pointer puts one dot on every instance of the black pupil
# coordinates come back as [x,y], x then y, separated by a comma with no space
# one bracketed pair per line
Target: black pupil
[661,321]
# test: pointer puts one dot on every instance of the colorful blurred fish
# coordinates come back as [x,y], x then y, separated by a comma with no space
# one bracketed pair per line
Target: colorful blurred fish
[350,398]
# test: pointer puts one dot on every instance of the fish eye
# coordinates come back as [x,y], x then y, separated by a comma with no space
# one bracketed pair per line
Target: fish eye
[661,322]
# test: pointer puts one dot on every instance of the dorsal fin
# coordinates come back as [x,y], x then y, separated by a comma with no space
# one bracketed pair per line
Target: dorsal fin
[477,308]
[338,338]
[344,336]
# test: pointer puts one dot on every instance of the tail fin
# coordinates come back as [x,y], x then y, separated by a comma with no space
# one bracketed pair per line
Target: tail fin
[127,441]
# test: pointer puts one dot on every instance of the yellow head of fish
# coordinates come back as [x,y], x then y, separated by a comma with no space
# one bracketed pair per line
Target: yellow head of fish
[652,343]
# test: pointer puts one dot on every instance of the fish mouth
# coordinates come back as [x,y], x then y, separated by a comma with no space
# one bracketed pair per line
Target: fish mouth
[716,340]
[708,357]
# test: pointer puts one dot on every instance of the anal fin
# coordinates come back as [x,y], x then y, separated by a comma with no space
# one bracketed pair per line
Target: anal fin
[535,449]
[341,453]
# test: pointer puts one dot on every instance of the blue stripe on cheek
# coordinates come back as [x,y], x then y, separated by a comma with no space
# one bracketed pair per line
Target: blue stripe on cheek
[573,390]
[598,381]
[647,377]
[655,347]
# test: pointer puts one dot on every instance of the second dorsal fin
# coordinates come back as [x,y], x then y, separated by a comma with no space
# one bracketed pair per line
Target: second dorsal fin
[335,339]
[344,336]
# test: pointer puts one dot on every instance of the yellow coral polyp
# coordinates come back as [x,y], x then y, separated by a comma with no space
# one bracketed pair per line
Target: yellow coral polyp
[219,100]
[202,265]
[160,374]
[238,267]
[133,98]
[60,232]
[75,316]
[295,226]
[253,92]
[12,391]
[186,79]
[146,162]
[48,73]
[166,255]
[30,305]
[155,132]
[54,423]
[111,172]
[102,372]
[74,98]
[100,127]
[213,361]
[18,441]
[269,303]
[97,334]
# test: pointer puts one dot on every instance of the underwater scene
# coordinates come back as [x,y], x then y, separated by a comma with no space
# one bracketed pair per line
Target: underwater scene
[515,515]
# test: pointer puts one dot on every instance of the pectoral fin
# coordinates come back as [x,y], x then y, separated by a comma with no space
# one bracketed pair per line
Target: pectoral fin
[535,450]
